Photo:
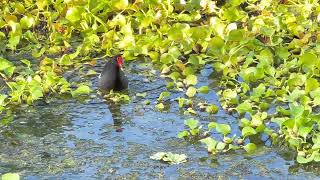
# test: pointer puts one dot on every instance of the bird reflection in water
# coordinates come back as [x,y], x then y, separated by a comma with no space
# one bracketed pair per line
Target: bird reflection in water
[115,109]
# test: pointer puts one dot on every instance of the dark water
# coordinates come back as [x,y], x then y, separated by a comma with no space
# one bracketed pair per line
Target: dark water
[94,139]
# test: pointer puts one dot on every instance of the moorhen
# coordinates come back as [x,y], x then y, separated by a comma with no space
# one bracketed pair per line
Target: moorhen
[112,76]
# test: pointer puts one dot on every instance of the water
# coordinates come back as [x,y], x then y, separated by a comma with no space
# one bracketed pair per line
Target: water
[94,139]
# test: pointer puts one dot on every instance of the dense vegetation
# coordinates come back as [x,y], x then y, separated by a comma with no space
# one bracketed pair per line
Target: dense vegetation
[266,53]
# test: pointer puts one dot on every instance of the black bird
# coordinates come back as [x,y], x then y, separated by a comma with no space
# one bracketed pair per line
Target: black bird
[112,76]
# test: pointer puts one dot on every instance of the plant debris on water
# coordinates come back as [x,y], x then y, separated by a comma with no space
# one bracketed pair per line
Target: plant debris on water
[170,157]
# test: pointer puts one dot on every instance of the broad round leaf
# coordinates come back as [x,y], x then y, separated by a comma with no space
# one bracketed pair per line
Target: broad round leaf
[74,14]
[81,90]
[250,147]
[223,129]
[203,89]
[191,91]
[10,176]
[247,131]
[191,80]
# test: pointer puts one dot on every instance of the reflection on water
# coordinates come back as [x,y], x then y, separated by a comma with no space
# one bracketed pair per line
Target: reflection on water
[69,139]
[114,109]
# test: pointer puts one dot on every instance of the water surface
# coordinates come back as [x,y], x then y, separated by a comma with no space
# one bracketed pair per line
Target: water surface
[95,139]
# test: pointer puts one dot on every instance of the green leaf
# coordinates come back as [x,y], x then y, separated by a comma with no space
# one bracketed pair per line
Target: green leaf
[144,94]
[232,14]
[245,122]
[289,123]
[212,125]
[4,64]
[174,51]
[252,74]
[188,70]
[81,90]
[296,110]
[233,147]
[175,158]
[303,160]
[191,91]
[37,54]
[191,80]
[74,14]
[215,46]
[257,119]
[7,67]
[147,102]
[196,4]
[259,91]
[316,101]
[91,73]
[223,129]
[203,89]
[169,157]
[163,95]
[19,7]
[36,90]
[13,41]
[237,2]
[118,20]
[8,118]
[183,134]
[278,121]
[27,22]
[167,59]
[296,80]
[165,69]
[317,157]
[2,99]
[26,62]
[267,31]
[283,53]
[265,57]
[191,111]
[120,4]
[304,131]
[244,107]
[117,97]
[42,4]
[248,131]
[228,140]
[184,17]
[66,60]
[181,102]
[221,146]
[174,76]
[159,106]
[211,144]
[315,93]
[195,132]
[10,176]
[191,123]
[212,109]
[229,94]
[236,35]
[250,147]
[311,84]
[195,60]
[178,32]
[308,59]
[158,155]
